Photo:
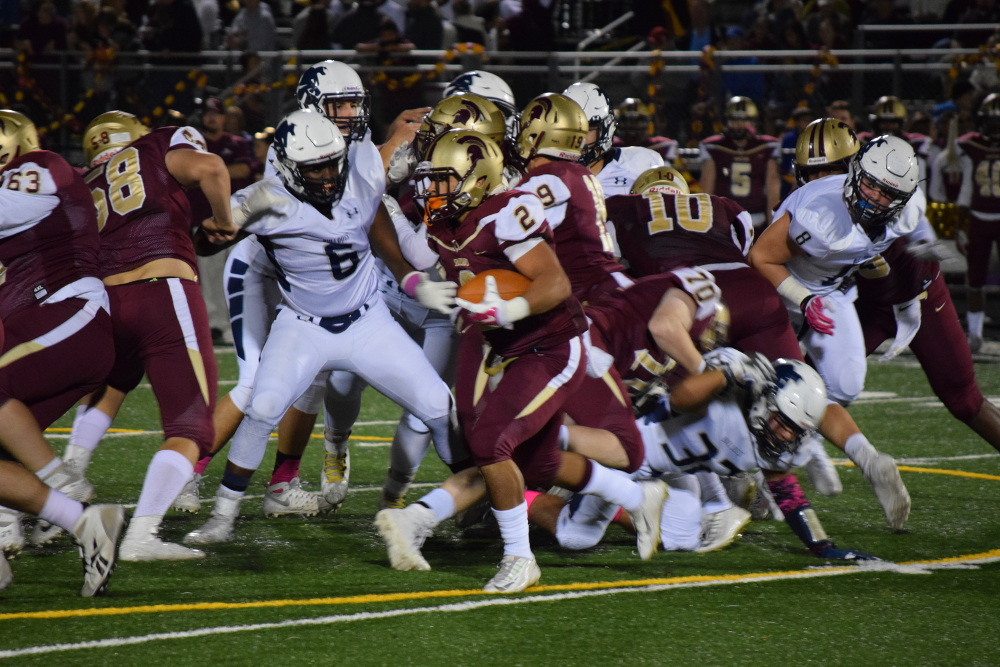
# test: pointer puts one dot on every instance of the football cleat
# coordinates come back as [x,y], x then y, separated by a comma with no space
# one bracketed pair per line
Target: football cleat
[142,544]
[189,499]
[336,473]
[97,532]
[516,574]
[404,532]
[286,498]
[720,529]
[883,475]
[11,533]
[390,501]
[975,343]
[220,527]
[69,479]
[78,457]
[646,519]
[821,471]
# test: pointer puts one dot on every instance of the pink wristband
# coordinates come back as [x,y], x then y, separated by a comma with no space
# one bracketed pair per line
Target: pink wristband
[410,282]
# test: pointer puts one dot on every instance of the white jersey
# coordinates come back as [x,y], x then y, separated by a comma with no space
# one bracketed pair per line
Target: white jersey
[325,267]
[719,442]
[618,175]
[833,245]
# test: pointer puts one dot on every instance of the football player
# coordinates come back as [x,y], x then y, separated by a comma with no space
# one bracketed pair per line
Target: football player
[635,128]
[910,297]
[53,306]
[713,423]
[492,87]
[821,233]
[615,168]
[888,117]
[979,208]
[741,164]
[332,317]
[516,421]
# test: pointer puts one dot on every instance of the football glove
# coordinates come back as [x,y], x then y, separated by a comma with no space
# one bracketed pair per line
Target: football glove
[259,198]
[962,241]
[907,324]
[933,251]
[816,309]
[439,296]
[828,550]
[748,374]
[401,163]
[493,311]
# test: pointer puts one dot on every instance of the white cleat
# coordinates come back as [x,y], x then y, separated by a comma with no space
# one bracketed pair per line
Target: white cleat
[336,474]
[151,547]
[882,473]
[68,479]
[404,532]
[821,471]
[286,498]
[516,574]
[720,529]
[221,526]
[79,457]
[11,533]
[647,519]
[6,574]
[97,532]
[189,499]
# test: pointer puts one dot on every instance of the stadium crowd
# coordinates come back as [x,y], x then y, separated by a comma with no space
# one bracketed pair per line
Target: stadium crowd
[584,331]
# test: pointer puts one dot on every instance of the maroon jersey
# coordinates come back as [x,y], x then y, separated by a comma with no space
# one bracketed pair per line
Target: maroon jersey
[142,210]
[574,208]
[621,321]
[908,277]
[659,232]
[48,230]
[478,244]
[985,157]
[741,173]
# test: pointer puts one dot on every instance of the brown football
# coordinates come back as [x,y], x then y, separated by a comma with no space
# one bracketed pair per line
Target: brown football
[509,284]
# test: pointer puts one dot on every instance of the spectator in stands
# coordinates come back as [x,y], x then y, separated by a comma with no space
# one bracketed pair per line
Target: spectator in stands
[529,24]
[424,25]
[828,26]
[801,117]
[360,24]
[312,28]
[886,12]
[395,11]
[82,35]
[236,125]
[211,26]
[43,32]
[841,110]
[172,26]
[746,84]
[393,95]
[761,36]
[253,28]
[468,26]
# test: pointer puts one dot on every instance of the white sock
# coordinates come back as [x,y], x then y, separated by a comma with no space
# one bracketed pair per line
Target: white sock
[974,321]
[564,437]
[61,511]
[713,495]
[48,468]
[168,472]
[614,486]
[514,530]
[441,503]
[858,449]
[89,426]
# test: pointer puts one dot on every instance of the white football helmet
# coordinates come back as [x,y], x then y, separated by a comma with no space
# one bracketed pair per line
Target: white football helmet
[797,400]
[886,168]
[495,90]
[601,115]
[306,139]
[324,84]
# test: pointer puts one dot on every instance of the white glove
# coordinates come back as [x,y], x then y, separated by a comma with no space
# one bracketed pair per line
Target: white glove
[259,198]
[907,326]
[494,311]
[401,163]
[934,251]
[439,296]
[748,374]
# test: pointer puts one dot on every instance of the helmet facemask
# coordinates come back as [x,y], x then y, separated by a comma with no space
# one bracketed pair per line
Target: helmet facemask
[461,169]
[881,179]
[352,126]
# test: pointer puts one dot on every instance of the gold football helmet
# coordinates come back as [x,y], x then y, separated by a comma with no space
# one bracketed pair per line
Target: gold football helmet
[826,144]
[461,111]
[741,108]
[661,179]
[554,126]
[717,333]
[888,115]
[109,133]
[635,123]
[473,160]
[17,136]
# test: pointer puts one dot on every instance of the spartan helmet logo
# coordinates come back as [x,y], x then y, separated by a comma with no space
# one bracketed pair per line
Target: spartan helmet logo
[468,113]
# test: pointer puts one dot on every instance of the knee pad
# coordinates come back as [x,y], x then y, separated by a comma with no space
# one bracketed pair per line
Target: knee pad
[846,381]
[267,407]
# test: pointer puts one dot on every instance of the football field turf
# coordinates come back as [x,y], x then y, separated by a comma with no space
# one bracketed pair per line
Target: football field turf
[320,591]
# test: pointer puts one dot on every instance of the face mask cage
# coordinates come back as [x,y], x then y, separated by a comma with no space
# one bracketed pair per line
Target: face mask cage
[357,125]
[872,216]
[439,206]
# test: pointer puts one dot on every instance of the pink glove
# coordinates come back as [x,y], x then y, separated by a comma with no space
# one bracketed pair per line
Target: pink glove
[816,309]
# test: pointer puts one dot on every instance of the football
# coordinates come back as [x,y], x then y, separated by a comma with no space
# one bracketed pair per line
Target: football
[509,284]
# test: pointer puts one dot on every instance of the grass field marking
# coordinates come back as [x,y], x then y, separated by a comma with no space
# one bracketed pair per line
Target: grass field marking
[935,471]
[570,592]
[663,583]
